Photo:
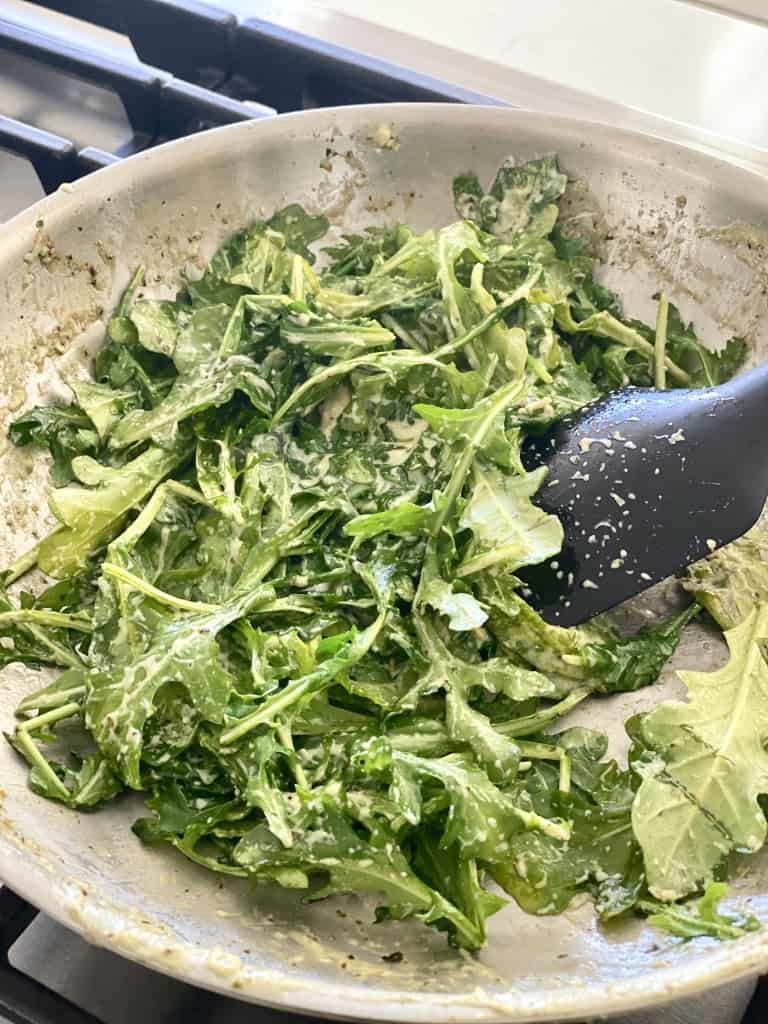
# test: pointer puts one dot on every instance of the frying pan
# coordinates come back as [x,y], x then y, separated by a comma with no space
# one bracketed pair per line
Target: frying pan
[659,215]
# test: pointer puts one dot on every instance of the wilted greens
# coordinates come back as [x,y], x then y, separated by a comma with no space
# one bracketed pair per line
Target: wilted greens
[291,507]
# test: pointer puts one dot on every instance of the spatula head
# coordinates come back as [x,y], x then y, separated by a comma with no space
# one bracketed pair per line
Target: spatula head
[646,482]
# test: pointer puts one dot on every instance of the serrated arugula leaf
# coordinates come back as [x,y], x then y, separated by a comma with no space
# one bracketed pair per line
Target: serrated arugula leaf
[209,384]
[185,650]
[299,228]
[457,679]
[732,581]
[328,844]
[590,654]
[706,767]
[359,254]
[629,663]
[482,819]
[458,879]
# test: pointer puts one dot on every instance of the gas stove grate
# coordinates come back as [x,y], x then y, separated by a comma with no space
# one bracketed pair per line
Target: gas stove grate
[256,57]
[198,67]
[23,1000]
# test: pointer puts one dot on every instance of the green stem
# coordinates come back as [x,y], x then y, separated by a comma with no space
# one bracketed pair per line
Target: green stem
[137,583]
[32,752]
[49,717]
[146,517]
[549,752]
[29,703]
[660,346]
[556,829]
[43,617]
[22,564]
[565,773]
[297,279]
[126,301]
[540,751]
[534,723]
[469,336]
[685,920]
[286,738]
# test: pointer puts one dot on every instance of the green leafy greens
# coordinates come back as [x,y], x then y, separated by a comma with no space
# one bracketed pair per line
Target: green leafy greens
[290,508]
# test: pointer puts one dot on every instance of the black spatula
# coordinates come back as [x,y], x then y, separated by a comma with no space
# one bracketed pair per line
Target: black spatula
[646,482]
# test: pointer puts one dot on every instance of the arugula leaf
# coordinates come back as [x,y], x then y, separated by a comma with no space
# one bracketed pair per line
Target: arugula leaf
[507,528]
[601,856]
[481,817]
[66,431]
[520,200]
[731,581]
[403,519]
[121,700]
[358,254]
[586,654]
[457,679]
[706,768]
[156,323]
[184,825]
[458,879]
[630,663]
[481,428]
[31,636]
[94,782]
[90,516]
[209,384]
[102,405]
[703,919]
[325,336]
[299,228]
[352,863]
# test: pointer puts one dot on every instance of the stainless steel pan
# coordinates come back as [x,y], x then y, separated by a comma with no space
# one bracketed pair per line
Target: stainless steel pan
[659,215]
